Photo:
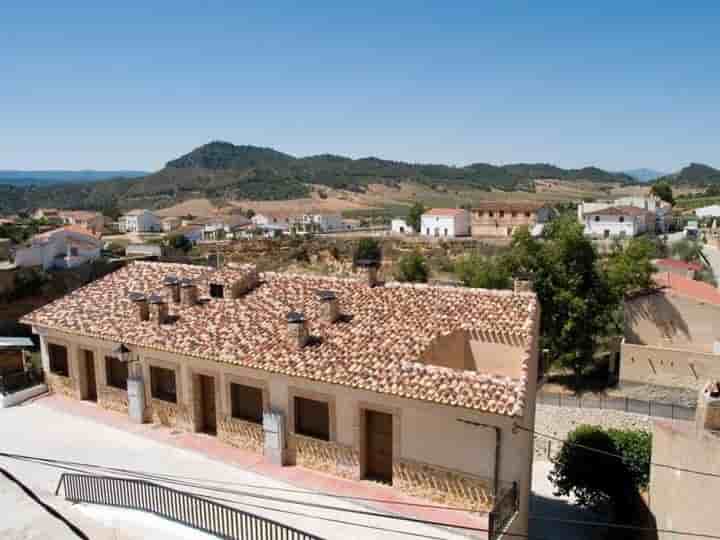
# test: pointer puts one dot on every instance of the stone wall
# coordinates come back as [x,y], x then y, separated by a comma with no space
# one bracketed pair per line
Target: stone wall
[328,457]
[242,434]
[443,486]
[65,386]
[171,415]
[113,399]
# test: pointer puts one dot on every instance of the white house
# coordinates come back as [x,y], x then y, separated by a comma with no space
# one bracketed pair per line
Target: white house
[445,223]
[224,227]
[137,221]
[661,210]
[708,211]
[272,220]
[618,221]
[400,226]
[308,223]
[170,223]
[65,247]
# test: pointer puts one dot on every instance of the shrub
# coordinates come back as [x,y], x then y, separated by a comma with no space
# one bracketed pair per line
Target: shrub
[412,268]
[367,249]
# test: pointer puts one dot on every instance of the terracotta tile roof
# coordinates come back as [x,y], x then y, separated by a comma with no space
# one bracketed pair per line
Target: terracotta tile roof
[77,229]
[78,214]
[445,212]
[377,346]
[620,211]
[690,288]
[679,265]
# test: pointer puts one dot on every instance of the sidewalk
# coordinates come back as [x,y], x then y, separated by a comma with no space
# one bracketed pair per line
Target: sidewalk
[80,431]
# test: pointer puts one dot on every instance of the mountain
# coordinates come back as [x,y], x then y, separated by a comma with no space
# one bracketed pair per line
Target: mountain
[644,175]
[695,174]
[224,171]
[21,178]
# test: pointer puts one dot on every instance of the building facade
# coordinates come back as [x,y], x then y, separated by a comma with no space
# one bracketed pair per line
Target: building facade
[445,223]
[618,221]
[661,211]
[93,221]
[493,219]
[139,221]
[400,226]
[423,398]
[66,247]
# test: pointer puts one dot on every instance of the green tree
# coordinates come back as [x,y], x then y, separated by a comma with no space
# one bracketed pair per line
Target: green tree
[598,467]
[179,242]
[664,191]
[630,268]
[688,250]
[414,215]
[368,249]
[413,268]
[483,272]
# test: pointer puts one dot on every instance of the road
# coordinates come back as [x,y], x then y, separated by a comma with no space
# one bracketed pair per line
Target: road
[39,430]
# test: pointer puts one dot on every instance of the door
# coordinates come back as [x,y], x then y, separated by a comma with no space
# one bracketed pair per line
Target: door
[207,392]
[91,393]
[379,446]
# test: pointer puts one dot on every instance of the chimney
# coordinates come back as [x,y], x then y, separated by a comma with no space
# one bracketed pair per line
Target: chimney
[172,284]
[159,308]
[707,416]
[142,309]
[329,306]
[297,329]
[523,283]
[188,292]
[370,267]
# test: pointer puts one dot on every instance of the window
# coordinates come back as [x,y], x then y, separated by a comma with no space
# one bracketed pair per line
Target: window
[502,213]
[312,418]
[527,214]
[162,382]
[622,219]
[58,360]
[491,213]
[117,372]
[513,214]
[217,290]
[246,403]
[597,218]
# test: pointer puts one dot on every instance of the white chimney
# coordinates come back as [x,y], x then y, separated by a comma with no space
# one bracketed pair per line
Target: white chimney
[329,306]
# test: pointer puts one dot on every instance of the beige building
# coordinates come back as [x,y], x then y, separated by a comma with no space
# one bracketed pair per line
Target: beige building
[682,500]
[672,334]
[93,221]
[500,218]
[416,386]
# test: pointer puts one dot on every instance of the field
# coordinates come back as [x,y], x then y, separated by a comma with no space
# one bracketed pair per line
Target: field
[389,201]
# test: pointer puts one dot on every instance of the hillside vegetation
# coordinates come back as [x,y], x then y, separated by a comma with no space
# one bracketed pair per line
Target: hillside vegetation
[224,171]
[695,174]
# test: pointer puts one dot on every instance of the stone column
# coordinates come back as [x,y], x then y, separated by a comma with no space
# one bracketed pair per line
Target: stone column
[44,354]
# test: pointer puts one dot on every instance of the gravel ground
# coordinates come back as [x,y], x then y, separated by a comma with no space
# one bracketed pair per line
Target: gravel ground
[559,421]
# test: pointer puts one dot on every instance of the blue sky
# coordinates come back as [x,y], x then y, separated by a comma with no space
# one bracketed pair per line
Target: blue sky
[616,84]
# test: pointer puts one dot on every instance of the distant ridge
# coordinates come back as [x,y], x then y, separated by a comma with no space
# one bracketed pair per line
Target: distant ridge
[645,175]
[19,177]
[224,171]
[695,174]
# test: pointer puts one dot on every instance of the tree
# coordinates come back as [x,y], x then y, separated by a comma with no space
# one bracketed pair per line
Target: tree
[179,242]
[413,268]
[484,272]
[598,467]
[688,250]
[368,249]
[414,215]
[664,191]
[630,268]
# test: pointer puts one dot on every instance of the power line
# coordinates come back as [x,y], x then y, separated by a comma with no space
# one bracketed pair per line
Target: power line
[49,509]
[61,465]
[611,454]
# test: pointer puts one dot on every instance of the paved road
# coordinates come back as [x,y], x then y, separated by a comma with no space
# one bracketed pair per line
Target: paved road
[35,429]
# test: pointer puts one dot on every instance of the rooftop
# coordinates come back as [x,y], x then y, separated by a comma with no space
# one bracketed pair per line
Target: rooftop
[445,212]
[76,229]
[619,211]
[679,265]
[508,206]
[379,344]
[689,288]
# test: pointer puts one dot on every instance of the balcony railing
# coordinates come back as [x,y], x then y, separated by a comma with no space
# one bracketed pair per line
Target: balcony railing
[20,380]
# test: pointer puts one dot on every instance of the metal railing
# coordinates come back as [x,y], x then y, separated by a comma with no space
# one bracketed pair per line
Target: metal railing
[506,506]
[20,380]
[622,404]
[181,507]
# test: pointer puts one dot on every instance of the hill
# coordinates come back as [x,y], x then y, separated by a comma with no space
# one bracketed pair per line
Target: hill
[21,178]
[695,174]
[224,171]
[644,175]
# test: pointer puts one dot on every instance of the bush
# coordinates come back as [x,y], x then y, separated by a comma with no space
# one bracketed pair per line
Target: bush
[412,268]
[484,272]
[595,478]
[368,249]
[180,242]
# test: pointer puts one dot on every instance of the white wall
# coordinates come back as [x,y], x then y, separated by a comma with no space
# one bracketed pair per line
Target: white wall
[631,226]
[445,226]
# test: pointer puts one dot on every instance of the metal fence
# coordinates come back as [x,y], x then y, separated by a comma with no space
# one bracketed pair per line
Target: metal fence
[623,404]
[20,380]
[185,508]
[504,510]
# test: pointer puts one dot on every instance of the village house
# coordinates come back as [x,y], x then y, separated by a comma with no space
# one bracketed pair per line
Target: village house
[618,221]
[49,214]
[66,247]
[661,211]
[400,226]
[308,223]
[224,227]
[93,221]
[274,221]
[500,218]
[139,221]
[416,386]
[706,212]
[672,334]
[170,223]
[445,223]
